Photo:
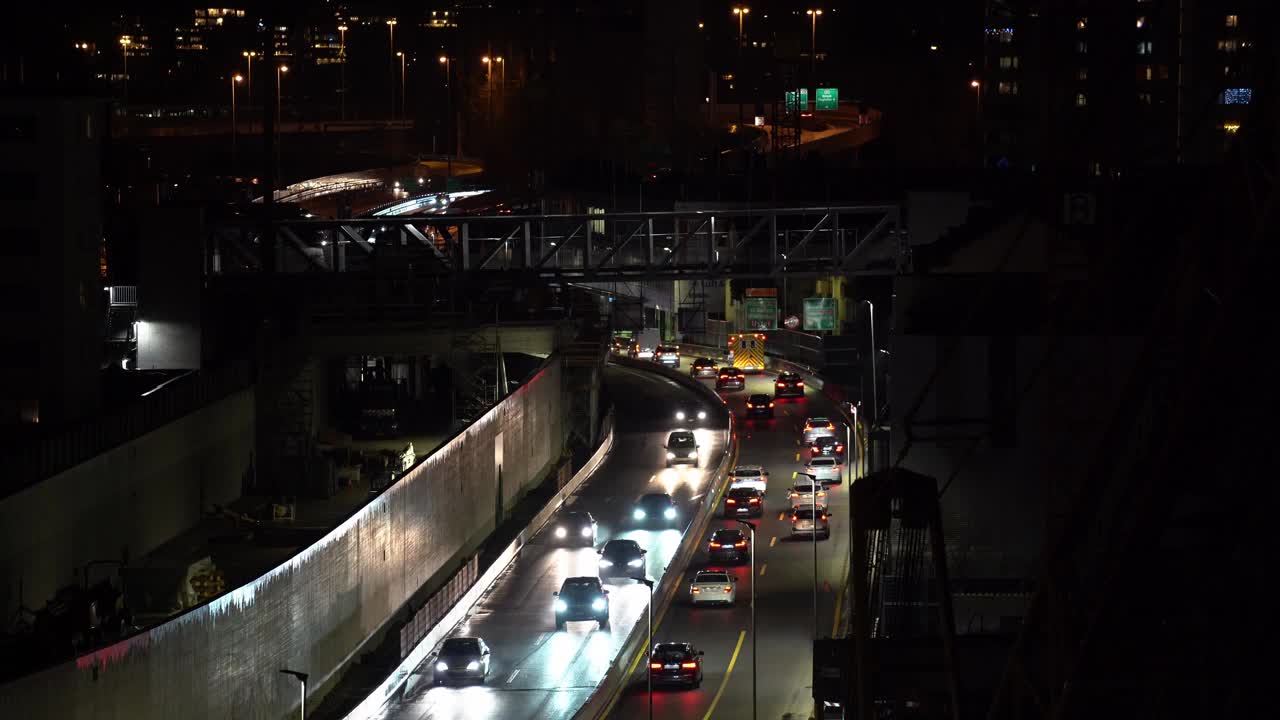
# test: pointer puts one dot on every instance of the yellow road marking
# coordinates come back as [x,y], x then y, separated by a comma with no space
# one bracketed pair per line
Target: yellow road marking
[781,516]
[763,568]
[797,457]
[742,635]
[773,542]
[835,625]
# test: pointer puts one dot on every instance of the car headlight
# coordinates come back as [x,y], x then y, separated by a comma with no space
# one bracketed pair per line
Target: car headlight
[561,532]
[671,456]
[442,666]
[638,514]
[670,512]
[561,606]
[693,454]
[635,563]
[597,604]
[606,563]
[702,414]
[679,414]
[587,532]
[473,665]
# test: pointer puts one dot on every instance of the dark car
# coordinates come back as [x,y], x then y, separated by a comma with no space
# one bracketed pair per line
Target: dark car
[675,664]
[827,446]
[788,384]
[743,502]
[759,405]
[729,545]
[622,558]
[582,598]
[655,508]
[462,658]
[703,367]
[575,528]
[731,378]
[682,448]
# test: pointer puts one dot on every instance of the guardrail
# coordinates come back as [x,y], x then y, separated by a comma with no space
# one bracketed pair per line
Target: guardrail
[624,663]
[444,625]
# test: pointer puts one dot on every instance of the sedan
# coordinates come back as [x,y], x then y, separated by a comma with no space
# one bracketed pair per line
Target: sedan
[826,470]
[675,663]
[655,508]
[690,415]
[816,427]
[622,558]
[713,587]
[729,545]
[743,502]
[576,527]
[752,476]
[803,523]
[703,368]
[682,448]
[828,446]
[788,384]
[731,378]
[759,405]
[801,495]
[462,658]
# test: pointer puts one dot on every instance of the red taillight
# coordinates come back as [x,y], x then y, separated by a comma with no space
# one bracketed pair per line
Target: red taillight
[799,383]
[839,448]
[694,590]
[728,589]
[724,377]
[793,519]
[754,501]
[715,545]
[740,543]
[770,404]
[782,384]
[731,501]
[655,666]
[749,406]
[686,666]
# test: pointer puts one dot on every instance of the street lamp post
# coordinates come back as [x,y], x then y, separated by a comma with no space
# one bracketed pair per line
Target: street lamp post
[391,27]
[813,48]
[752,527]
[235,128]
[249,55]
[403,100]
[502,84]
[280,72]
[649,645]
[342,71]
[813,508]
[488,87]
[302,680]
[875,398]
[125,42]
[448,95]
[741,12]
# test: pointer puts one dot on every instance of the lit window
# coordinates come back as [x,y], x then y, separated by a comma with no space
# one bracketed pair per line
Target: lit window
[1147,72]
[1141,21]
[1233,21]
[1082,74]
[1144,98]
[1009,62]
[1082,47]
[1007,88]
[1229,45]
[1081,100]
[1231,128]
[1082,23]
[1144,47]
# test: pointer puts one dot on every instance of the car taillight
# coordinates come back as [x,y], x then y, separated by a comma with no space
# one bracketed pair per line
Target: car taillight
[731,501]
[688,666]
[793,519]
[715,544]
[754,501]
[749,406]
[655,666]
[839,447]
[770,404]
[821,494]
[782,384]
[724,377]
[694,590]
[740,543]
[799,383]
[728,589]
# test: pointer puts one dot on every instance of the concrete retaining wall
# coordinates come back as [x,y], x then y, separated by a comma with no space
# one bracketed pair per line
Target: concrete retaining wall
[125,501]
[222,659]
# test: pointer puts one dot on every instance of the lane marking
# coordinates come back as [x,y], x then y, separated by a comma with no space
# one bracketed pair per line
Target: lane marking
[835,625]
[781,516]
[763,568]
[516,672]
[773,542]
[742,635]
[797,457]
[797,443]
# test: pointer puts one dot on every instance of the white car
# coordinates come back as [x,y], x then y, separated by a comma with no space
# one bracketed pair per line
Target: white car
[816,427]
[801,495]
[825,470]
[749,476]
[713,587]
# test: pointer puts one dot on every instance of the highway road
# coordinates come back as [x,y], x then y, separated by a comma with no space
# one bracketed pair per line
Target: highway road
[537,672]
[785,584]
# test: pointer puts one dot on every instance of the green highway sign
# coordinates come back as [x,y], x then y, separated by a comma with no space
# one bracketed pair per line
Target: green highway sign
[819,313]
[762,313]
[828,98]
[804,99]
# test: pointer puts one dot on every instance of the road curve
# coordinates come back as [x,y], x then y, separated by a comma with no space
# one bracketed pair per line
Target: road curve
[540,673]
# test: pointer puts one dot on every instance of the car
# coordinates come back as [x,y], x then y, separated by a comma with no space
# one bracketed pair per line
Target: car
[575,527]
[743,502]
[828,446]
[690,415]
[682,448]
[668,355]
[582,598]
[816,427]
[622,558]
[655,508]
[713,587]
[801,495]
[802,522]
[731,378]
[675,664]
[752,476]
[826,470]
[729,545]
[759,405]
[462,659]
[788,384]
[703,367]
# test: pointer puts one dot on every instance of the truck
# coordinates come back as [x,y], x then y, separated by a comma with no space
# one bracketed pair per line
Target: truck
[746,351]
[645,343]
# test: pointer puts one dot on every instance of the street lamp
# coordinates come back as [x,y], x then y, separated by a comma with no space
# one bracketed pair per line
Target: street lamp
[875,399]
[444,60]
[342,70]
[488,86]
[813,47]
[741,12]
[977,90]
[302,680]
[125,42]
[403,101]
[280,73]
[249,55]
[649,645]
[234,126]
[813,508]
[752,527]
[391,27]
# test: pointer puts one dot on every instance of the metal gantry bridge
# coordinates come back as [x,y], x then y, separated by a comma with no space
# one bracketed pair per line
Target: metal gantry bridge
[684,244]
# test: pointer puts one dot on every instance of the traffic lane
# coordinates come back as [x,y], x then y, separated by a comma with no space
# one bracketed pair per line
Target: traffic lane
[784,573]
[535,671]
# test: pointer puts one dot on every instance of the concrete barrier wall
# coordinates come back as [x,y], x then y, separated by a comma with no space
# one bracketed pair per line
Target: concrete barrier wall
[127,500]
[222,659]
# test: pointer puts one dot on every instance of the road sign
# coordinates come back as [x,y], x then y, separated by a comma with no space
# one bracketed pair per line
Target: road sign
[804,99]
[762,313]
[760,292]
[819,313]
[827,98]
